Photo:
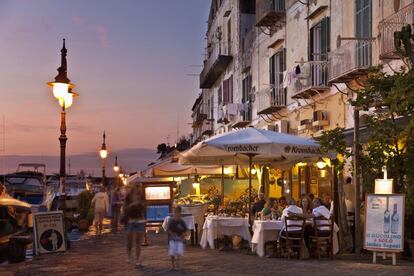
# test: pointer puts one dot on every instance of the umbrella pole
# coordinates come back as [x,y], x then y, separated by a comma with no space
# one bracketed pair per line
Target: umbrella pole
[222,185]
[250,189]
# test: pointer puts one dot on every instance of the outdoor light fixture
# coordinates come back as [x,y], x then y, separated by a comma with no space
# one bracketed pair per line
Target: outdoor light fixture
[301,164]
[196,186]
[227,170]
[103,152]
[320,163]
[116,167]
[62,91]
[384,186]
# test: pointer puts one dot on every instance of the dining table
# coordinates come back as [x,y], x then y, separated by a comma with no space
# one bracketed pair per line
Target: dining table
[215,227]
[268,230]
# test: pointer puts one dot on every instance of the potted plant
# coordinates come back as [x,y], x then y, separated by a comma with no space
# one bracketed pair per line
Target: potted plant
[84,206]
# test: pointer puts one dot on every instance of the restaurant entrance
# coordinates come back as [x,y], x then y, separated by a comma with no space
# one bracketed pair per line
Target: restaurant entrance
[305,179]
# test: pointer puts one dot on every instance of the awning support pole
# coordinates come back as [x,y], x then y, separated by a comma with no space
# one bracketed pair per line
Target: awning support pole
[222,185]
[250,189]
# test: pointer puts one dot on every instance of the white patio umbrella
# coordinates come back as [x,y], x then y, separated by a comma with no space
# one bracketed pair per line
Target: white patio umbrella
[251,145]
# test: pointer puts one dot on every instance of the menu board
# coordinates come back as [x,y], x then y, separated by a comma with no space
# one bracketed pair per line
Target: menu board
[157,212]
[157,193]
[49,232]
[384,222]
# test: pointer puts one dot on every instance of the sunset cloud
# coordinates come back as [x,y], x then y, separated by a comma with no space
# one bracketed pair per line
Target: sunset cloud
[77,20]
[102,33]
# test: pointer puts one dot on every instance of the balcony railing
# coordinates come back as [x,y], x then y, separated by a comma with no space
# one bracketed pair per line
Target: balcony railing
[199,119]
[389,26]
[271,100]
[350,61]
[245,116]
[311,80]
[269,12]
[207,128]
[216,63]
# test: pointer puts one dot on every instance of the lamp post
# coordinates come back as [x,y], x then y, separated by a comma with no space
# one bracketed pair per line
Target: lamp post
[103,152]
[116,170]
[62,91]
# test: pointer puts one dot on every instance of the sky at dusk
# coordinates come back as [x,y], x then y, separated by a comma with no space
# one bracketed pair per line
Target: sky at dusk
[129,60]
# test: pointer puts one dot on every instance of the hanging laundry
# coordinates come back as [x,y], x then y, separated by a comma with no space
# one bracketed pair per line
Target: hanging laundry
[297,70]
[285,79]
[232,109]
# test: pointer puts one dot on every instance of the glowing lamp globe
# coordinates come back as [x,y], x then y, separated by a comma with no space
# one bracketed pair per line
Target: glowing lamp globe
[60,89]
[103,153]
[227,171]
[384,186]
[66,100]
[116,168]
[320,164]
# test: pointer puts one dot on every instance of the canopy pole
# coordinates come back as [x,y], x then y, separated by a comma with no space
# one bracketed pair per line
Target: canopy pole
[250,189]
[222,185]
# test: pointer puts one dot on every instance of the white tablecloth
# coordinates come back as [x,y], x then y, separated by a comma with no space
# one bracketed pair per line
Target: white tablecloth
[188,220]
[264,231]
[215,227]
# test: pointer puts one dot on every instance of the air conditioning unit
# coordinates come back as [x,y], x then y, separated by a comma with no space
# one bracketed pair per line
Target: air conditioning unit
[282,126]
[305,125]
[320,118]
[270,127]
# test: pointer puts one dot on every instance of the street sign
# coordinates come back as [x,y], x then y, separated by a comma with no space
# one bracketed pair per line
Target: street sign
[384,222]
[49,232]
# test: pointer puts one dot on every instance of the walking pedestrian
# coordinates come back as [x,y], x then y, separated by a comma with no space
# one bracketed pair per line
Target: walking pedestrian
[116,206]
[176,230]
[101,206]
[134,217]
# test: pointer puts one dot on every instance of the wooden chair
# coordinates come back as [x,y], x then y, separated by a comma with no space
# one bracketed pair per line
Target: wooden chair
[321,240]
[292,236]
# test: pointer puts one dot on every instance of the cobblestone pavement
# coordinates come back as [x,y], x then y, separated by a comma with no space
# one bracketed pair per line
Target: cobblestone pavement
[106,255]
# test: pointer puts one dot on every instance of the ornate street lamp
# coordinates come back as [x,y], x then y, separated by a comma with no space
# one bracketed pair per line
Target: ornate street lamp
[62,91]
[103,152]
[116,167]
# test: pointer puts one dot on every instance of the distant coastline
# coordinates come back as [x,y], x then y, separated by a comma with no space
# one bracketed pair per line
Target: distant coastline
[130,159]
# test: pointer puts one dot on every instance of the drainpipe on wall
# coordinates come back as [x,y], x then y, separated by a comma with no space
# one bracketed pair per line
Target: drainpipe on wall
[357,233]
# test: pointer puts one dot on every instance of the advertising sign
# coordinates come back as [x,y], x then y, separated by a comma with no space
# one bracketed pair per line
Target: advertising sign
[49,232]
[384,222]
[157,212]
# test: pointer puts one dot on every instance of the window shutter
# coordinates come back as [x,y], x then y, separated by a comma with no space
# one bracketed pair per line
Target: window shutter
[325,30]
[310,53]
[283,60]
[225,92]
[272,69]
[231,89]
[220,96]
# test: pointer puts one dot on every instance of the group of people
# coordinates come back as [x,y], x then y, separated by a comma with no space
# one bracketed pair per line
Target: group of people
[308,206]
[274,207]
[131,212]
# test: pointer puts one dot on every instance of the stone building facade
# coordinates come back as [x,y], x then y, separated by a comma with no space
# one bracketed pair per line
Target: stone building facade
[292,66]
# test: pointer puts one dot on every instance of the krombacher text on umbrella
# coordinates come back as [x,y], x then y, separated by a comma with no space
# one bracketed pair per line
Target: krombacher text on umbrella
[308,150]
[242,148]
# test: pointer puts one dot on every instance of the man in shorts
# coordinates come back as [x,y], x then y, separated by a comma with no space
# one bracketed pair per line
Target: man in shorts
[176,231]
